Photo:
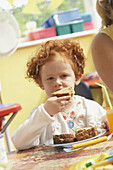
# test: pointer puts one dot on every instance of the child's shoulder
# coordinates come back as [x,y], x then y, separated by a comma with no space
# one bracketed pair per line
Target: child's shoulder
[78,97]
[38,107]
[88,102]
[91,106]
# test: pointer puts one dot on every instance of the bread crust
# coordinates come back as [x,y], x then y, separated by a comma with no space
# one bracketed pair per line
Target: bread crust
[67,91]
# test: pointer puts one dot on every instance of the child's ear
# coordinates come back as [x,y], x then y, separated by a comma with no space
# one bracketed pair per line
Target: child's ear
[77,82]
[39,82]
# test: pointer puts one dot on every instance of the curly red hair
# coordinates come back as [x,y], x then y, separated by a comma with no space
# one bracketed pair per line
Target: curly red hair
[70,51]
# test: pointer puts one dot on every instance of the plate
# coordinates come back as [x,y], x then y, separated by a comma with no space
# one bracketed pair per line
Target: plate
[9,34]
[64,145]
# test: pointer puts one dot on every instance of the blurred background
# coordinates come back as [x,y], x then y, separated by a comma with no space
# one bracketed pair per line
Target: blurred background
[31,14]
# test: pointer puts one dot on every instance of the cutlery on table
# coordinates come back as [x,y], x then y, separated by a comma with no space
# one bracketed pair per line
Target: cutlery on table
[82,145]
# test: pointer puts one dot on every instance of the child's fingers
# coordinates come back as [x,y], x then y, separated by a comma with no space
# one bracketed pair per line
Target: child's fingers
[105,125]
[107,133]
[63,98]
[65,102]
[62,108]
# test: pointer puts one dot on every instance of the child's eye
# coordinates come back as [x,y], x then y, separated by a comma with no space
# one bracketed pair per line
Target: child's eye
[64,75]
[50,78]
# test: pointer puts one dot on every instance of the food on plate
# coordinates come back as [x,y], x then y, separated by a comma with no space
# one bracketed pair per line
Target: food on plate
[85,133]
[63,138]
[80,134]
[67,91]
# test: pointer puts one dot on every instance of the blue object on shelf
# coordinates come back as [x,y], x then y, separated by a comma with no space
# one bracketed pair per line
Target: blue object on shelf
[76,26]
[70,27]
[62,17]
[63,29]
[86,17]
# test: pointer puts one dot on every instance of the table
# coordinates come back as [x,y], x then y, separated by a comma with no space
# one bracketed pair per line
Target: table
[51,158]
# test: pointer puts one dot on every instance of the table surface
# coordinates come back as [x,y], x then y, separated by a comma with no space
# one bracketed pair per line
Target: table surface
[49,157]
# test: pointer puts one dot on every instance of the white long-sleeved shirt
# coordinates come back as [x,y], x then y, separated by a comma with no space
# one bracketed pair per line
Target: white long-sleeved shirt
[39,127]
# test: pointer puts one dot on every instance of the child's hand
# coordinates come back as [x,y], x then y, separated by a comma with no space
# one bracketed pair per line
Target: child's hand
[55,105]
[105,126]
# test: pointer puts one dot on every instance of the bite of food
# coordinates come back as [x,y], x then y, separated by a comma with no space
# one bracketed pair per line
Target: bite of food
[67,91]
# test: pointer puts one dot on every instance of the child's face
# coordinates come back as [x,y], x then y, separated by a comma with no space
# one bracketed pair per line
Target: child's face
[55,75]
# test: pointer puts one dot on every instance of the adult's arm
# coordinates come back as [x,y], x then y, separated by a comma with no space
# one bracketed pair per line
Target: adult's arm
[102,53]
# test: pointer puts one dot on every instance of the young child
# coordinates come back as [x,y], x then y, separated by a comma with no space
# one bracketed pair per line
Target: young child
[57,64]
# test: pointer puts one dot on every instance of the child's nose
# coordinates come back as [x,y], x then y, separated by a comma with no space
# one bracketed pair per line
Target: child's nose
[58,82]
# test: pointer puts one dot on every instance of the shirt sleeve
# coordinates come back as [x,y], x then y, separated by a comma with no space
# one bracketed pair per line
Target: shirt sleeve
[28,134]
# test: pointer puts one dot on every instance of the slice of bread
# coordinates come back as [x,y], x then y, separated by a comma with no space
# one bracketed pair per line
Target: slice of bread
[85,133]
[67,91]
[63,138]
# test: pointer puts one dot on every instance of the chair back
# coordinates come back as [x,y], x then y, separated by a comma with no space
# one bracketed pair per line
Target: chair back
[83,89]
